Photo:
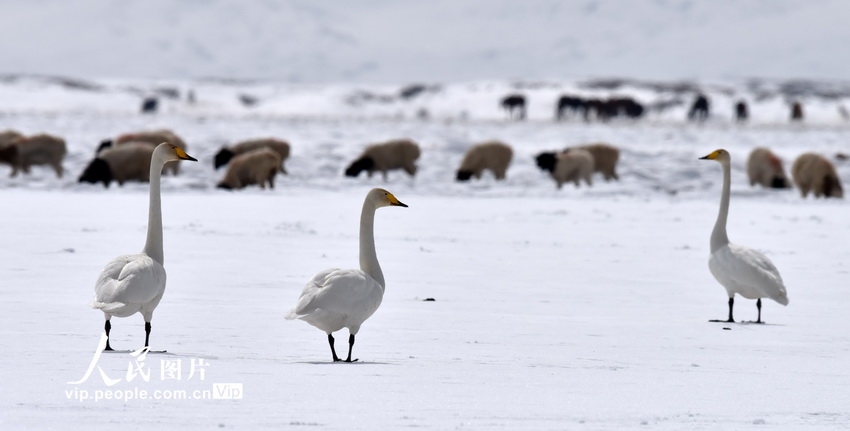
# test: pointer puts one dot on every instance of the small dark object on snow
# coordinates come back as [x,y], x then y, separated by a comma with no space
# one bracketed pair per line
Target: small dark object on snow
[150,105]
[429,299]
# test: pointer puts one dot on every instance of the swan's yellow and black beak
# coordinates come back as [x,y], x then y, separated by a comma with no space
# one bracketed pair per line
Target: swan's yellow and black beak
[711,156]
[182,154]
[395,202]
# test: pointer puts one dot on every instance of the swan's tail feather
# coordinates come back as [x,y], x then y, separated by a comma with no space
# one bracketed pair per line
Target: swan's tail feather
[107,307]
[291,315]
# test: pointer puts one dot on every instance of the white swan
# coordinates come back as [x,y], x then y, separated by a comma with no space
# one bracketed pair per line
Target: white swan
[135,282]
[740,269]
[344,298]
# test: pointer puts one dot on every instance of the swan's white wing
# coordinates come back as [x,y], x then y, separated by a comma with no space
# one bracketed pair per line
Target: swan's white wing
[747,272]
[130,279]
[335,299]
[349,291]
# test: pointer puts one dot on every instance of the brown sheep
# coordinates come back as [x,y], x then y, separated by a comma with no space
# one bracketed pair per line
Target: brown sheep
[397,154]
[126,162]
[254,167]
[43,149]
[494,156]
[765,168]
[605,158]
[574,165]
[279,146]
[815,173]
[154,138]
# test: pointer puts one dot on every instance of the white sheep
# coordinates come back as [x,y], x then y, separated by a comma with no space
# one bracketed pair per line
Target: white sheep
[573,165]
[279,146]
[812,172]
[494,156]
[129,161]
[254,167]
[765,168]
[397,154]
[605,158]
[154,138]
[24,152]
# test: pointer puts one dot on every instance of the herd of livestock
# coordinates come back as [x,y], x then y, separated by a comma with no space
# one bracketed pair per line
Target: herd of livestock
[258,161]
[601,109]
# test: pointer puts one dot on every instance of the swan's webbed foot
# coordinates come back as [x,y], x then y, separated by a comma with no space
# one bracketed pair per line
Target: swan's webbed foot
[730,319]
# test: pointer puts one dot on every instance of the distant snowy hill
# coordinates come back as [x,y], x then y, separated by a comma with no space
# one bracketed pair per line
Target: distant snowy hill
[382,41]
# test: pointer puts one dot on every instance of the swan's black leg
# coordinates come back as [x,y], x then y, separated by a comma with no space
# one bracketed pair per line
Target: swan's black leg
[147,333]
[758,305]
[107,327]
[350,346]
[731,303]
[333,351]
[730,320]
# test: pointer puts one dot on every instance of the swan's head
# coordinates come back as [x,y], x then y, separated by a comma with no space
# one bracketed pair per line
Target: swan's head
[720,155]
[383,198]
[170,152]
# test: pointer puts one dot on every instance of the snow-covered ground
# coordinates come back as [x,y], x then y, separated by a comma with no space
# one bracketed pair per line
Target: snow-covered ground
[574,309]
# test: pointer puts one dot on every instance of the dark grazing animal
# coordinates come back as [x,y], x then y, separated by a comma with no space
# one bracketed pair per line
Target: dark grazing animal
[700,109]
[570,106]
[796,111]
[741,111]
[150,105]
[515,105]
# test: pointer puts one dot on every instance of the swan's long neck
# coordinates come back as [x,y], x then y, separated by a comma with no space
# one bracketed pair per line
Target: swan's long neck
[368,257]
[153,244]
[718,235]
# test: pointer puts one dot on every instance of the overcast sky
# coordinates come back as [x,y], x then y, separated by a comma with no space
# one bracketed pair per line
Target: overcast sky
[438,40]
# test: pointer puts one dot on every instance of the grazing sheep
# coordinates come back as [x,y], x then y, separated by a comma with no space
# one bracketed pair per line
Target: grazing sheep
[154,138]
[813,172]
[573,165]
[24,152]
[254,167]
[129,161]
[494,156]
[765,168]
[279,146]
[605,158]
[397,154]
